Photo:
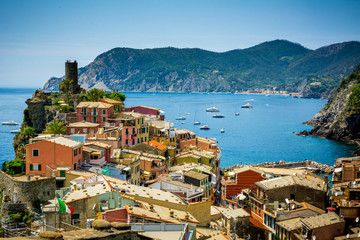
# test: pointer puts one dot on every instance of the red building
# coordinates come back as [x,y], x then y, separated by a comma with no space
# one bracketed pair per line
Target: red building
[155,112]
[94,112]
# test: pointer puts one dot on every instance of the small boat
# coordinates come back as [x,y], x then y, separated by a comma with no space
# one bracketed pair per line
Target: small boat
[237,114]
[212,109]
[181,118]
[197,123]
[182,122]
[10,123]
[188,113]
[247,105]
[218,116]
[205,127]
[15,131]
[222,130]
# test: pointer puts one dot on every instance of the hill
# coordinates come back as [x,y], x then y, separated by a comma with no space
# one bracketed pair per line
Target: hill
[280,63]
[340,118]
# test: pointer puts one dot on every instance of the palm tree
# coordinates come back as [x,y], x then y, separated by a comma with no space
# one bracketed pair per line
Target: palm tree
[95,94]
[28,133]
[65,86]
[55,127]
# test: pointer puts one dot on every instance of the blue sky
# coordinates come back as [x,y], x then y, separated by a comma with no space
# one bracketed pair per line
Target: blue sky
[37,37]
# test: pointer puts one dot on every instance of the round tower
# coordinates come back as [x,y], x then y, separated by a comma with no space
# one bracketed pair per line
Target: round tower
[71,73]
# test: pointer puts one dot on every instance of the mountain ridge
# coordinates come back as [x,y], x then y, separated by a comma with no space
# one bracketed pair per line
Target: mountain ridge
[279,63]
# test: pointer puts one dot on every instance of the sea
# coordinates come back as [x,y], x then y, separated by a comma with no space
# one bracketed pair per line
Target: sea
[264,133]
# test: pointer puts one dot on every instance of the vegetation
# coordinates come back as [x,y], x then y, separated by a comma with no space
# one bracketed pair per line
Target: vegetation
[65,87]
[93,95]
[21,139]
[14,167]
[55,127]
[116,96]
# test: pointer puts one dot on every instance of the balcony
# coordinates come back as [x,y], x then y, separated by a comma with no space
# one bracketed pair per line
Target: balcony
[99,161]
[94,113]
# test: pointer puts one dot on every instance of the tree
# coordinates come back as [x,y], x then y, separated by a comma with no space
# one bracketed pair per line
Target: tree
[95,94]
[14,167]
[116,96]
[55,127]
[28,133]
[65,86]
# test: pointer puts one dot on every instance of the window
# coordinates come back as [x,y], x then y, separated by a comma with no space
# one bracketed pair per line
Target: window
[133,141]
[74,166]
[133,130]
[79,150]
[72,130]
[142,121]
[142,140]
[138,140]
[145,139]
[85,130]
[138,121]
[85,119]
[35,167]
[127,131]
[35,152]
[62,173]
[126,142]
[94,120]
[104,111]
[292,196]
[104,119]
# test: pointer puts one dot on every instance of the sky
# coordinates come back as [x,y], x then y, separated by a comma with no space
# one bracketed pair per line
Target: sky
[37,37]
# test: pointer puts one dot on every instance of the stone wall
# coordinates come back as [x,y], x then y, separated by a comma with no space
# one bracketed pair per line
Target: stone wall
[28,191]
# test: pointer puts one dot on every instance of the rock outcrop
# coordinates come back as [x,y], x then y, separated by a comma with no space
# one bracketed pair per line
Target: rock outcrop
[340,118]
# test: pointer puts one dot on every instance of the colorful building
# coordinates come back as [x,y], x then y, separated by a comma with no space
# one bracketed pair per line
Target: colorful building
[95,112]
[82,128]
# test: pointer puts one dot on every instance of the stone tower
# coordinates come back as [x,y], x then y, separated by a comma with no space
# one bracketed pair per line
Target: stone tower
[71,72]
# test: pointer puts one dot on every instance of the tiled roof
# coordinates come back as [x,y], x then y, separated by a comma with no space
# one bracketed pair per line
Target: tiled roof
[109,100]
[156,144]
[92,191]
[65,142]
[322,220]
[196,175]
[94,105]
[83,124]
[290,181]
[233,213]
[98,144]
[291,224]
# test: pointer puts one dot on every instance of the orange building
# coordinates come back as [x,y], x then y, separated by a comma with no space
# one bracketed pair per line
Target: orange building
[46,157]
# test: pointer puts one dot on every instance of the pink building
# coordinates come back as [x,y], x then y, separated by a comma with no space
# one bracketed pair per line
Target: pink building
[94,112]
[147,111]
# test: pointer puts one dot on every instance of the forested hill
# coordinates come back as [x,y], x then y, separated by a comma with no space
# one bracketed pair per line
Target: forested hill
[280,63]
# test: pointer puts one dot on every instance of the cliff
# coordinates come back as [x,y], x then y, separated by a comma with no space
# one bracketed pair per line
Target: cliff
[280,63]
[340,118]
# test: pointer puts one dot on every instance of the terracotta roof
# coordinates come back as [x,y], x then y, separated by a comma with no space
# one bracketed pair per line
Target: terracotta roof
[156,144]
[83,124]
[258,224]
[109,100]
[93,105]
[195,175]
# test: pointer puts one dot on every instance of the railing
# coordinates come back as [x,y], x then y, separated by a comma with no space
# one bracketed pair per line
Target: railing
[97,161]
[94,113]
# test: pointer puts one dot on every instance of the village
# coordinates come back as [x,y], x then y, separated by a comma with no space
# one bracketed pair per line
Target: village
[127,173]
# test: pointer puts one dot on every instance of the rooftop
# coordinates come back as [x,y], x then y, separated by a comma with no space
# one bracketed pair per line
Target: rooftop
[196,175]
[83,124]
[98,144]
[93,105]
[322,220]
[232,213]
[190,166]
[184,131]
[95,190]
[65,142]
[290,181]
[156,144]
[291,224]
[109,100]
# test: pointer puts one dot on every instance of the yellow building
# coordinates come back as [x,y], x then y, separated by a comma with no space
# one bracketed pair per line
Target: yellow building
[141,125]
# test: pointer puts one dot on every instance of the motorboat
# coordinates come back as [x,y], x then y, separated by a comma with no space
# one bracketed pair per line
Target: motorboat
[182,122]
[247,105]
[188,113]
[10,123]
[205,127]
[237,114]
[197,123]
[15,131]
[181,118]
[212,109]
[222,130]
[218,116]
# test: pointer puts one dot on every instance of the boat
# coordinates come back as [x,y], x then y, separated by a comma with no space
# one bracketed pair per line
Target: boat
[212,109]
[247,105]
[237,114]
[205,127]
[181,118]
[15,131]
[182,122]
[188,113]
[218,116]
[10,123]
[222,130]
[197,123]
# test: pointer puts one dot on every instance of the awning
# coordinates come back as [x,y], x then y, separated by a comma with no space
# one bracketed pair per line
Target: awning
[146,173]
[126,169]
[338,169]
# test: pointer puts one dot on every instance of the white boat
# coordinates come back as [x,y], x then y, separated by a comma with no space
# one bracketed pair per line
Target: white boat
[222,130]
[237,114]
[197,123]
[182,122]
[15,131]
[212,109]
[181,118]
[205,127]
[218,116]
[188,113]
[247,105]
[10,123]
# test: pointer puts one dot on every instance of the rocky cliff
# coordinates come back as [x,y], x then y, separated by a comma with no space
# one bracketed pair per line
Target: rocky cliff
[340,118]
[278,63]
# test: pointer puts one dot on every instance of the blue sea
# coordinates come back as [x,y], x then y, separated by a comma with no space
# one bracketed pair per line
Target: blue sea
[264,133]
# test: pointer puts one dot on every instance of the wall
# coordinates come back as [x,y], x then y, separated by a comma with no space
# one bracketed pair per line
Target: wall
[243,180]
[28,191]
[330,231]
[116,215]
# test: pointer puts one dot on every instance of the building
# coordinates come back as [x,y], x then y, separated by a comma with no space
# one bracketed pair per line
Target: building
[71,73]
[142,126]
[52,156]
[200,180]
[103,152]
[82,128]
[95,112]
[149,111]
[325,227]
[118,105]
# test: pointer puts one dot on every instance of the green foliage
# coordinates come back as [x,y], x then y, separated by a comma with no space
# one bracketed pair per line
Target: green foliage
[353,104]
[14,167]
[55,127]
[93,95]
[55,94]
[27,120]
[116,96]
[56,101]
[65,108]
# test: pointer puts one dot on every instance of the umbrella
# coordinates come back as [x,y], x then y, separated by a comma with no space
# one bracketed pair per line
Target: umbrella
[331,209]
